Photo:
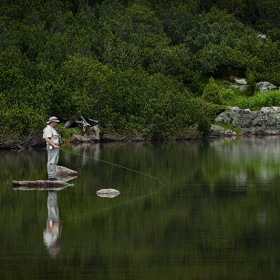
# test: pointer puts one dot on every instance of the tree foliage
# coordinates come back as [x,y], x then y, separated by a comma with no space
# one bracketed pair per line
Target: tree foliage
[211,93]
[133,65]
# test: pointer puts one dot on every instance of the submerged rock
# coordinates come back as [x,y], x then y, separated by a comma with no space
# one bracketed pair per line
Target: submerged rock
[110,193]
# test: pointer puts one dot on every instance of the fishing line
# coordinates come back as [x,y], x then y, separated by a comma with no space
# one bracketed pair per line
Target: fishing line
[117,165]
[121,203]
[91,214]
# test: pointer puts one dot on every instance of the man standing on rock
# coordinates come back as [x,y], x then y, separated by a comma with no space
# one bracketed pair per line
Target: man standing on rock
[52,140]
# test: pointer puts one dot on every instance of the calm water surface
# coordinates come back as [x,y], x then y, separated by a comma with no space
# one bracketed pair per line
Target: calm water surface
[187,210]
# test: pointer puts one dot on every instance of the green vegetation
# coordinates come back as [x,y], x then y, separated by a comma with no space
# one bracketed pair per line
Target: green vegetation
[135,66]
[67,133]
[251,83]
[227,94]
[211,93]
[271,98]
[228,127]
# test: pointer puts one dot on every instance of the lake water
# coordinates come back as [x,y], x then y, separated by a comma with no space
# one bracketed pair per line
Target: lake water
[186,210]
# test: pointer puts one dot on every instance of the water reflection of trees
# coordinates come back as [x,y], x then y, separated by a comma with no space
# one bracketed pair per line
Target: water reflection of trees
[188,224]
[29,164]
[186,228]
[181,228]
[236,163]
[87,152]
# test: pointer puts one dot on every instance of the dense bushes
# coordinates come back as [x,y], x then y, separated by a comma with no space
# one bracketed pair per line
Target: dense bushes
[268,99]
[20,126]
[137,67]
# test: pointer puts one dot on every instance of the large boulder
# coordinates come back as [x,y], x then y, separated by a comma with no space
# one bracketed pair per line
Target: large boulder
[263,122]
[241,84]
[237,117]
[86,138]
[39,185]
[217,130]
[265,86]
[65,174]
[241,81]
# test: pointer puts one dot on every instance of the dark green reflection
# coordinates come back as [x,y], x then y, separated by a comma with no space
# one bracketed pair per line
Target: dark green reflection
[214,216]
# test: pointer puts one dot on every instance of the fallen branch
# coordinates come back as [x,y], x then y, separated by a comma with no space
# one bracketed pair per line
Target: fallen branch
[83,124]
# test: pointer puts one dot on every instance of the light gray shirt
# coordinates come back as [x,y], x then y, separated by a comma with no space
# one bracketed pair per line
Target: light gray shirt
[50,132]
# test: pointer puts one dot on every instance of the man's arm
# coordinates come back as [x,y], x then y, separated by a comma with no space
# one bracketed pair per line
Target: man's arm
[49,141]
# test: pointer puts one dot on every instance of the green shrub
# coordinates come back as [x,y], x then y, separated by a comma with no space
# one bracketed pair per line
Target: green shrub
[66,133]
[227,94]
[202,114]
[165,116]
[211,93]
[251,83]
[21,126]
[255,102]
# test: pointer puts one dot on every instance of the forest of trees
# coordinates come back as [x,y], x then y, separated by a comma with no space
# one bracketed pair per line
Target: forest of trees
[140,67]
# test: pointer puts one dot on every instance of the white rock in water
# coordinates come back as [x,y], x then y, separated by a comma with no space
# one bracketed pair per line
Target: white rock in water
[108,193]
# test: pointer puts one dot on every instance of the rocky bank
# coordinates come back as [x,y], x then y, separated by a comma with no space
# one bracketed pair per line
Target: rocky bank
[246,122]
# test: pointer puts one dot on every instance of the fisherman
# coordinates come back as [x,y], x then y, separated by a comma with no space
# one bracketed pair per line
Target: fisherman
[52,140]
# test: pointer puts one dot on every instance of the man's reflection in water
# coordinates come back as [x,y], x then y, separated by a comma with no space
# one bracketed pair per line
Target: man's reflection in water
[51,233]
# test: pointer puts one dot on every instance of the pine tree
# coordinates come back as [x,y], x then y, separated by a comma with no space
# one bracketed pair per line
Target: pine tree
[211,92]
[251,83]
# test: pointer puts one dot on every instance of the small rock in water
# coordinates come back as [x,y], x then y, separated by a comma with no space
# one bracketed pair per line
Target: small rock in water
[108,193]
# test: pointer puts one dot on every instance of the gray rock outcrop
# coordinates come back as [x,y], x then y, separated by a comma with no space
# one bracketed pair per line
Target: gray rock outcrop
[217,130]
[88,138]
[265,86]
[65,174]
[241,84]
[263,122]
